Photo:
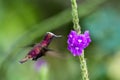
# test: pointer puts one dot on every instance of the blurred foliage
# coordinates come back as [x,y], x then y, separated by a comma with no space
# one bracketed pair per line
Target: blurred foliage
[23,22]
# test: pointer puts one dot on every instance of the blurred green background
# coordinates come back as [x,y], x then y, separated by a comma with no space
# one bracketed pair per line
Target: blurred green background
[23,22]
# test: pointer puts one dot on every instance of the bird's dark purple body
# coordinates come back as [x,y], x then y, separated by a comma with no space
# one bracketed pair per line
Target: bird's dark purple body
[40,49]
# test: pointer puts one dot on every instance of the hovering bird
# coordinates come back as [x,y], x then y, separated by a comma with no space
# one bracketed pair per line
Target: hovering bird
[40,49]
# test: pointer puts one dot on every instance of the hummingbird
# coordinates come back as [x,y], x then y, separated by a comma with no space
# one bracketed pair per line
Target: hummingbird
[38,50]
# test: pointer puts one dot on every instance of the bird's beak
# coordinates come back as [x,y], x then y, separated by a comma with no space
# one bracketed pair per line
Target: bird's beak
[54,34]
[57,35]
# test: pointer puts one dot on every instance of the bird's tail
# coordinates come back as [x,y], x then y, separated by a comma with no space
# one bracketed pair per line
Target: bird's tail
[24,60]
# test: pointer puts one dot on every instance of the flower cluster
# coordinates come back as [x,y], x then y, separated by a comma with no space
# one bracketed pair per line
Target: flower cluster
[78,42]
[39,64]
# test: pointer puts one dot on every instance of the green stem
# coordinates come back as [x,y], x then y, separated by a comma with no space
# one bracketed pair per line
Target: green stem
[83,67]
[75,16]
[77,27]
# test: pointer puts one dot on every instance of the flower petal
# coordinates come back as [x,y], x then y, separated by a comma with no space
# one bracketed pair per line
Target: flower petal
[76,43]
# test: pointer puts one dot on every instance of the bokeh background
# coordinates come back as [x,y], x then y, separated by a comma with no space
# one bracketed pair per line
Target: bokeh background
[23,22]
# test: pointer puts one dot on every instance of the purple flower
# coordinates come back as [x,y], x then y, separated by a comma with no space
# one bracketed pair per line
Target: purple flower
[40,63]
[78,42]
